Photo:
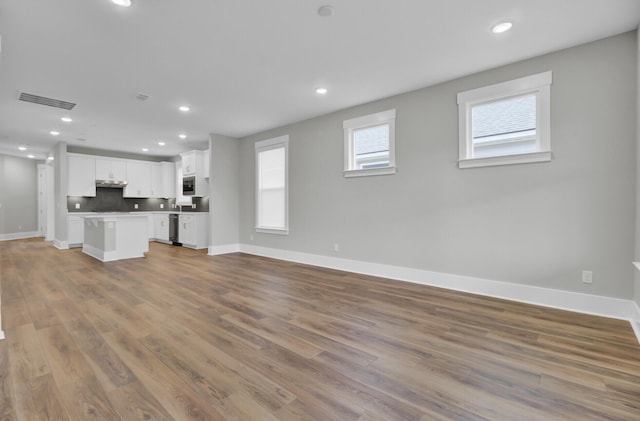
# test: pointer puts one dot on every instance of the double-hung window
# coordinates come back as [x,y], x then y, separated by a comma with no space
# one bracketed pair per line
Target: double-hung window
[369,144]
[272,189]
[507,123]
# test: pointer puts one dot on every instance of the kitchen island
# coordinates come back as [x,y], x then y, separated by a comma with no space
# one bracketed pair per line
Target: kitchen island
[110,237]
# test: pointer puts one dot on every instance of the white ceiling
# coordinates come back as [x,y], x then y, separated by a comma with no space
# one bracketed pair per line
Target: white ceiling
[244,66]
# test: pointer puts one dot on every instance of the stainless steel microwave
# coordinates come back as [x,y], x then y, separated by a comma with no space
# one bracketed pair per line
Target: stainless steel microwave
[189,185]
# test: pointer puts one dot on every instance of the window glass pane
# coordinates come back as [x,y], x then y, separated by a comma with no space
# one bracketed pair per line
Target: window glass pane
[504,127]
[271,188]
[371,147]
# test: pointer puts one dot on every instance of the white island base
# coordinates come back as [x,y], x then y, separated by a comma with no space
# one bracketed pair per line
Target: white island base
[115,237]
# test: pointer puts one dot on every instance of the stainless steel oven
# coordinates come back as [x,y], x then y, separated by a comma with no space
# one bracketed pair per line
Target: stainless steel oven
[189,185]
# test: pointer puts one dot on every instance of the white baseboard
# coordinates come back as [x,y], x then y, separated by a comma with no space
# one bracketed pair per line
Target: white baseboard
[60,244]
[223,249]
[20,235]
[566,300]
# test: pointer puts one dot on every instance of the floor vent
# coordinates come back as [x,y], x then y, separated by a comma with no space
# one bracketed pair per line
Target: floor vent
[36,99]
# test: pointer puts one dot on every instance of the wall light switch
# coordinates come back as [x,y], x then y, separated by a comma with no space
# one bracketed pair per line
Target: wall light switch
[161,205]
[135,206]
[77,205]
[193,206]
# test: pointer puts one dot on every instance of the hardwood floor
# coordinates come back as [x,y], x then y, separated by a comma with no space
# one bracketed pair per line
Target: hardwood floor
[182,335]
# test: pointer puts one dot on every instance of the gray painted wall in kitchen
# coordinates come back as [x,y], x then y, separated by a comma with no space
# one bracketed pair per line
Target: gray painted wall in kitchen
[637,251]
[18,195]
[224,190]
[60,190]
[536,224]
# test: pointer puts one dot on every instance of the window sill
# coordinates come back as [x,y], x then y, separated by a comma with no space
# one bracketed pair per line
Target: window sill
[370,172]
[524,158]
[273,231]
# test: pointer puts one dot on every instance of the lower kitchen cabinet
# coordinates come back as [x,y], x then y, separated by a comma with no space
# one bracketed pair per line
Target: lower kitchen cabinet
[193,230]
[161,226]
[75,231]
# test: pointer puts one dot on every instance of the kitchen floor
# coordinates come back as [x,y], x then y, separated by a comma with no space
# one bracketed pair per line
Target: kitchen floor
[182,335]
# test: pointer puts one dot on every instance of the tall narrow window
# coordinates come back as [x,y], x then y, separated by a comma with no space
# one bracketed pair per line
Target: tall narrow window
[272,185]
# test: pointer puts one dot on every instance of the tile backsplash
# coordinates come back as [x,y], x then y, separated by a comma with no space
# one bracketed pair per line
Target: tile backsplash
[111,200]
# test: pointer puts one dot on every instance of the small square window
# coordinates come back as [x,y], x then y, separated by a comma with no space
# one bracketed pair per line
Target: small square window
[507,123]
[369,144]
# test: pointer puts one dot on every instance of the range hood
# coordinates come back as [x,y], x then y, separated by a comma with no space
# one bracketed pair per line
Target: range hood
[116,184]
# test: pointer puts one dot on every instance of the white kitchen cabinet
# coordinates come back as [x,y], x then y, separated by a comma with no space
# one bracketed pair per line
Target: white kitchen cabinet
[168,170]
[193,230]
[150,227]
[109,169]
[161,226]
[163,179]
[191,161]
[157,181]
[186,232]
[81,179]
[75,230]
[138,179]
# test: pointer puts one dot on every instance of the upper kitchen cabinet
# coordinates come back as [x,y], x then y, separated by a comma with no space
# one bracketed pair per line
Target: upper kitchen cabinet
[81,180]
[195,163]
[163,183]
[108,169]
[138,179]
[168,170]
[191,162]
[157,183]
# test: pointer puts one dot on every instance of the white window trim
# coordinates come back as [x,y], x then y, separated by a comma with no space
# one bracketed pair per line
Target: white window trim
[539,84]
[376,119]
[262,146]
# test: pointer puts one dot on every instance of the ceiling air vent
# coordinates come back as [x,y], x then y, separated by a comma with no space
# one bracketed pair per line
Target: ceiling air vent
[36,99]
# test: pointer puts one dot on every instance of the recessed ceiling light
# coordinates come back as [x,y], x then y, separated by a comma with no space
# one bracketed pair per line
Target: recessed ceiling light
[54,133]
[182,136]
[66,119]
[161,143]
[123,3]
[145,149]
[49,158]
[326,11]
[501,27]
[30,156]
[183,108]
[321,91]
[22,148]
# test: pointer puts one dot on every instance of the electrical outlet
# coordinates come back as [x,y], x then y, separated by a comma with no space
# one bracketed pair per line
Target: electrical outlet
[161,205]
[77,205]
[587,276]
[193,206]
[135,206]
[251,237]
[336,247]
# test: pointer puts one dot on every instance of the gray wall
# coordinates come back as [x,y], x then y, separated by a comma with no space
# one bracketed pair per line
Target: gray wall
[60,189]
[537,224]
[223,190]
[637,251]
[18,195]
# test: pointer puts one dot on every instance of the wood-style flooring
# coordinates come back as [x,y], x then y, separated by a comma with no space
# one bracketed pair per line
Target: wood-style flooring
[182,335]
